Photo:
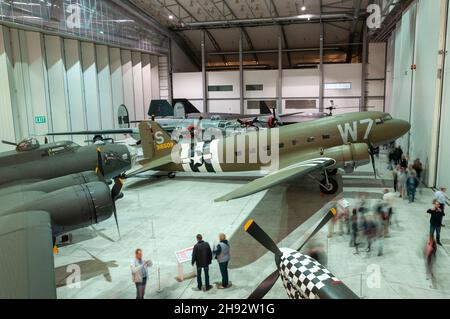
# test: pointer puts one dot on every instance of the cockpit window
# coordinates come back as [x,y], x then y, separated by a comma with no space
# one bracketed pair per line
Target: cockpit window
[387,117]
[29,144]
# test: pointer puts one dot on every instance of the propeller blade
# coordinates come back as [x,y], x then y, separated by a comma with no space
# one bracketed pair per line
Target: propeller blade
[261,236]
[116,192]
[117,221]
[46,140]
[331,213]
[9,143]
[265,286]
[372,157]
[99,168]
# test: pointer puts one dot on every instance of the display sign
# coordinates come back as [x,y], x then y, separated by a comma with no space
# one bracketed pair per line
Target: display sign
[344,203]
[40,120]
[184,255]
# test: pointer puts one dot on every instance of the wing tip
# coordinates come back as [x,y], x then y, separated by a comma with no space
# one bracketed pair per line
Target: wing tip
[333,211]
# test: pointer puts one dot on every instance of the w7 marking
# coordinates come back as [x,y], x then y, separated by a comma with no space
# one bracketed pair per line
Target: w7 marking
[351,131]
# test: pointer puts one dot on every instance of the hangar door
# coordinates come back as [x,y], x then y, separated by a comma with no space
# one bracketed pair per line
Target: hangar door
[443,167]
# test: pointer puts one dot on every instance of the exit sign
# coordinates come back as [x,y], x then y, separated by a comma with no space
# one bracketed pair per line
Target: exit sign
[40,120]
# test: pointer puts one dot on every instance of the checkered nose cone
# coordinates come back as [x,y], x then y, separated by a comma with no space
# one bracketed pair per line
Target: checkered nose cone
[303,277]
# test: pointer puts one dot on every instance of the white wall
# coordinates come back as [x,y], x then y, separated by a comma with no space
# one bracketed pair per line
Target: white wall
[416,93]
[296,84]
[75,85]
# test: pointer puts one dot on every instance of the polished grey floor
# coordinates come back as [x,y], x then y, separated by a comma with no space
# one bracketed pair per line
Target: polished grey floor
[162,216]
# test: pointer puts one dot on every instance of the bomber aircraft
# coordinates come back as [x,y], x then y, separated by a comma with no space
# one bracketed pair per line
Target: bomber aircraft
[289,152]
[47,191]
[31,161]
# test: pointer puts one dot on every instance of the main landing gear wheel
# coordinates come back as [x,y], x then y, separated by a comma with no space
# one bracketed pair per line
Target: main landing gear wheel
[171,175]
[332,172]
[329,188]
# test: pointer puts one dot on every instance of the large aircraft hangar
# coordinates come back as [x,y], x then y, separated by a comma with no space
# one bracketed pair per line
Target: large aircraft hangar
[224,150]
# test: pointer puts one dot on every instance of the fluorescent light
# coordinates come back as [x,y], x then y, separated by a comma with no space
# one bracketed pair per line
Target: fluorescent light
[170,17]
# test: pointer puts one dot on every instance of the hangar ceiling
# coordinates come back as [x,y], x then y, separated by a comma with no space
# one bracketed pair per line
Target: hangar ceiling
[261,23]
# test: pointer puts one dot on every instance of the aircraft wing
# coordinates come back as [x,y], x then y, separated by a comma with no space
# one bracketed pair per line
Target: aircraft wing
[151,165]
[26,259]
[278,177]
[100,132]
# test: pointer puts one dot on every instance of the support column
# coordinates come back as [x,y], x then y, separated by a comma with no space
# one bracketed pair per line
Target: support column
[170,72]
[322,76]
[204,79]
[280,75]
[362,103]
[241,73]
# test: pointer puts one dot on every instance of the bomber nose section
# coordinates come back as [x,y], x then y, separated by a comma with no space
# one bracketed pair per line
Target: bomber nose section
[117,160]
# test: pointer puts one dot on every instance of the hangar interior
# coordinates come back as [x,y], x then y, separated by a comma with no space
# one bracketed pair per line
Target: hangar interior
[70,66]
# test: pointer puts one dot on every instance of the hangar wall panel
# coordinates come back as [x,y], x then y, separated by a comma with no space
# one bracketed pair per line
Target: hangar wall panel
[443,149]
[57,85]
[146,82]
[22,97]
[416,97]
[426,90]
[104,87]
[75,86]
[298,84]
[403,75]
[154,61]
[138,86]
[128,83]
[6,90]
[38,81]
[116,81]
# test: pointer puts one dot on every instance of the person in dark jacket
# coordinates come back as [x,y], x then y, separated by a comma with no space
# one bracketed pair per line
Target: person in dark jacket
[436,220]
[222,253]
[404,162]
[202,257]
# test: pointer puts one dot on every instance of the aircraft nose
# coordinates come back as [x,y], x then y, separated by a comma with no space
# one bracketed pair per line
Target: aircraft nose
[403,127]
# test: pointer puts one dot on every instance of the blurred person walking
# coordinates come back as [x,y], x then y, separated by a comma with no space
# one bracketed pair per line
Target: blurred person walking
[395,173]
[411,186]
[430,258]
[355,229]
[418,167]
[402,183]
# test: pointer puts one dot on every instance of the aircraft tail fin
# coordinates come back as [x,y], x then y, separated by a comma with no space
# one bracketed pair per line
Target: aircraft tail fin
[156,143]
[189,108]
[160,108]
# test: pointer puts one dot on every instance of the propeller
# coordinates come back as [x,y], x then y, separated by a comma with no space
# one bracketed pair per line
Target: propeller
[331,214]
[116,194]
[9,143]
[265,286]
[99,168]
[263,238]
[249,123]
[372,157]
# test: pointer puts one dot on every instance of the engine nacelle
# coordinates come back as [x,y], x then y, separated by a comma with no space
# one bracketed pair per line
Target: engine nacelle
[349,156]
[73,207]
[55,184]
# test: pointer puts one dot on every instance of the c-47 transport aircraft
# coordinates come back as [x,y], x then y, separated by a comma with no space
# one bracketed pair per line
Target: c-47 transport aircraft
[285,153]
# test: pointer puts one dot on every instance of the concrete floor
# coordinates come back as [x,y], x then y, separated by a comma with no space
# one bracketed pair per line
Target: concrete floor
[162,216]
